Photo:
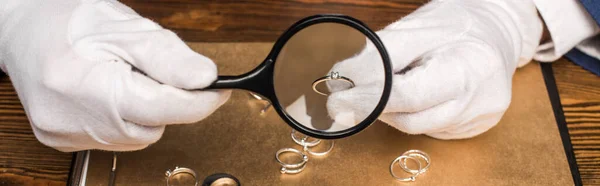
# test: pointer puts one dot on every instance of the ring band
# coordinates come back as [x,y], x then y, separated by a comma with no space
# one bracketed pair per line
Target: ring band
[416,154]
[303,141]
[331,76]
[292,171]
[181,170]
[287,166]
[306,149]
[403,158]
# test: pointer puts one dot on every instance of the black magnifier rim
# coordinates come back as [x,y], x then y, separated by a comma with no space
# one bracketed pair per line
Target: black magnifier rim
[351,22]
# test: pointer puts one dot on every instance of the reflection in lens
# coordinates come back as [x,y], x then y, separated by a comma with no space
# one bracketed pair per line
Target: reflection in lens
[332,52]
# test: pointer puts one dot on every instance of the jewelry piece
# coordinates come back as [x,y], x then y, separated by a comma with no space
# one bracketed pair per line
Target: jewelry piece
[403,158]
[331,76]
[291,168]
[307,149]
[259,97]
[112,176]
[179,170]
[291,171]
[303,141]
[225,181]
[221,179]
[417,154]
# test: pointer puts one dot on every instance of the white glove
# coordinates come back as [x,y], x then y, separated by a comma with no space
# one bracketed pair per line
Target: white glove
[453,63]
[73,65]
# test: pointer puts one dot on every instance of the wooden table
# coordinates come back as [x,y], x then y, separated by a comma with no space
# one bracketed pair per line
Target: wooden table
[579,92]
[25,161]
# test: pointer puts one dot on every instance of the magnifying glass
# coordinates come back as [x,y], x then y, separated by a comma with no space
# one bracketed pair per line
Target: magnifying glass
[298,79]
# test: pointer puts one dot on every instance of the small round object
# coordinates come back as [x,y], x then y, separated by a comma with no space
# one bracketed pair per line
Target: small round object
[307,149]
[328,77]
[221,179]
[417,154]
[303,141]
[224,182]
[291,150]
[403,158]
[181,170]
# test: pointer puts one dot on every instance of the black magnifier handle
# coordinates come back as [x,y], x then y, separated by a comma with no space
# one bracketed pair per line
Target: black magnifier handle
[227,82]
[250,82]
[255,80]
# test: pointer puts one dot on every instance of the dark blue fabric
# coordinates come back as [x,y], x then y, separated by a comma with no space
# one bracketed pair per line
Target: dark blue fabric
[593,8]
[578,57]
[585,61]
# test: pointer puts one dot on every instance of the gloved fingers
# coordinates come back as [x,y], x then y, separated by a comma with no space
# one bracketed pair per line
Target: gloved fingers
[160,54]
[448,120]
[111,31]
[122,148]
[127,136]
[439,76]
[436,119]
[357,102]
[146,102]
[363,69]
[408,45]
[87,145]
[127,133]
[405,47]
[114,136]
[469,129]
[485,113]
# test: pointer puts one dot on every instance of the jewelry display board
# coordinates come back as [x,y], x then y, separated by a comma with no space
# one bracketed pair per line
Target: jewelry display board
[525,148]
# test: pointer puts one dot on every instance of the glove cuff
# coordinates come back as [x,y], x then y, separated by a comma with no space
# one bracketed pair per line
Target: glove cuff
[518,19]
[7,6]
[530,26]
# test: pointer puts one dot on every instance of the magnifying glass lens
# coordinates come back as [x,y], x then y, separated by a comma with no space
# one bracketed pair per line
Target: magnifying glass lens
[329,77]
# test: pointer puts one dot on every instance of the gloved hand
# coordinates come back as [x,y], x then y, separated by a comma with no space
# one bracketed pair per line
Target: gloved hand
[74,64]
[453,63]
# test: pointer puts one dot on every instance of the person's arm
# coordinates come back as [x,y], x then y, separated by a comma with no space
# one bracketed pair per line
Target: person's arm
[93,74]
[545,34]
[568,24]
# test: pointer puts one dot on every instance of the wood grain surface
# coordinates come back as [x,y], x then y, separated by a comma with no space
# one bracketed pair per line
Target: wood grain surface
[579,92]
[260,20]
[25,161]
